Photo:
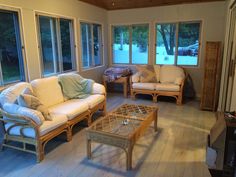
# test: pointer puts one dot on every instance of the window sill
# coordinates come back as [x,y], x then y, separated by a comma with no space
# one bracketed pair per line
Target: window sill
[56,74]
[91,68]
[128,64]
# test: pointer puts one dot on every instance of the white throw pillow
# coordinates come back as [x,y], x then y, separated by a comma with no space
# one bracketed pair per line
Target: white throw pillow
[35,115]
[98,89]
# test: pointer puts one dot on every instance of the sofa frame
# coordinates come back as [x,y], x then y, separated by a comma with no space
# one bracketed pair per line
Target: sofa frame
[40,141]
[178,95]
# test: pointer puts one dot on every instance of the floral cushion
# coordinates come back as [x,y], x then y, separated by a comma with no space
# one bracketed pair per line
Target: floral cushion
[147,73]
[32,102]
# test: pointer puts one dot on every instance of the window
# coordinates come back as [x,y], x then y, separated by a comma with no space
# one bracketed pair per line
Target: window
[130,44]
[11,57]
[177,43]
[57,44]
[91,44]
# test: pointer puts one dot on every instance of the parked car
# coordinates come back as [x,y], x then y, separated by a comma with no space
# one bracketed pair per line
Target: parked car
[191,50]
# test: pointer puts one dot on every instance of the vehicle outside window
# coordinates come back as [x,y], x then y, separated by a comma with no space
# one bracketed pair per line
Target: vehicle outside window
[183,36]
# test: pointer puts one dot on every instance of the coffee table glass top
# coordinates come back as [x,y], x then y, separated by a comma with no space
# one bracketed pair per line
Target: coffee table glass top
[134,111]
[117,125]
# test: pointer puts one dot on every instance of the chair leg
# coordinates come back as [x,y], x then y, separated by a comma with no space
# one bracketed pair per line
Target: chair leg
[104,112]
[104,109]
[39,152]
[179,100]
[89,120]
[69,134]
[154,98]
[1,145]
[132,95]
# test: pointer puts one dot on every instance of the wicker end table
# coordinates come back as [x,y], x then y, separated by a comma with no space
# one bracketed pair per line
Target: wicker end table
[122,80]
[122,128]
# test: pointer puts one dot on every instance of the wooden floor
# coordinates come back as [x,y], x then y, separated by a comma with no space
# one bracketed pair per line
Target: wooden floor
[177,150]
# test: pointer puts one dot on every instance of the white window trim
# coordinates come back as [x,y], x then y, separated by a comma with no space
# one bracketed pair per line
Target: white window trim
[81,68]
[130,38]
[200,41]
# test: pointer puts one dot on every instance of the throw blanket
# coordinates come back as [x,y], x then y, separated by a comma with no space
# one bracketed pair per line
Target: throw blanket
[74,86]
[114,73]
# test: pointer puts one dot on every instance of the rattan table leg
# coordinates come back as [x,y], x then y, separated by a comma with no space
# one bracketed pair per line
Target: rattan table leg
[89,153]
[155,120]
[125,89]
[129,157]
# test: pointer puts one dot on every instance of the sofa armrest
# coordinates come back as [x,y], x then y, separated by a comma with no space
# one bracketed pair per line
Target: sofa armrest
[135,77]
[98,89]
[18,120]
[182,83]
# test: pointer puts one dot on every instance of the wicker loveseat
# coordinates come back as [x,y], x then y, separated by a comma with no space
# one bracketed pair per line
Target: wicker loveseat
[158,81]
[27,127]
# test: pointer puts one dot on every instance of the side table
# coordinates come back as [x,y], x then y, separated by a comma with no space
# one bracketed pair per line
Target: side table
[122,80]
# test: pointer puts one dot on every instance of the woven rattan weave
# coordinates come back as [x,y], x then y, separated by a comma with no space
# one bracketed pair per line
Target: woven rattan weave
[122,128]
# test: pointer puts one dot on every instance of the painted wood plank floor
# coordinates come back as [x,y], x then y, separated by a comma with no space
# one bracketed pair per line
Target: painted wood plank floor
[177,150]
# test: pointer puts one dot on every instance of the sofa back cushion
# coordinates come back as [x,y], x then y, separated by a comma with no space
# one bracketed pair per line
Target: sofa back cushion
[48,91]
[169,74]
[157,69]
[147,73]
[10,94]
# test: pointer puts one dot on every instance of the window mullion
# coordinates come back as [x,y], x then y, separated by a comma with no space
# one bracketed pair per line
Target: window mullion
[92,43]
[100,45]
[54,47]
[1,76]
[40,44]
[130,44]
[112,43]
[19,47]
[176,43]
[87,43]
[72,45]
[59,47]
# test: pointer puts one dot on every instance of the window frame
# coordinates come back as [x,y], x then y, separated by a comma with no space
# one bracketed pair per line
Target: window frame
[80,46]
[73,44]
[177,40]
[129,25]
[22,63]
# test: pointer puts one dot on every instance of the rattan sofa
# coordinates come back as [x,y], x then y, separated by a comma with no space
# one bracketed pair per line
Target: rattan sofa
[65,114]
[170,82]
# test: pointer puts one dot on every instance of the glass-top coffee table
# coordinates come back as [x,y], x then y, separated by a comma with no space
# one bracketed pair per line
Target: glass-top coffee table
[122,128]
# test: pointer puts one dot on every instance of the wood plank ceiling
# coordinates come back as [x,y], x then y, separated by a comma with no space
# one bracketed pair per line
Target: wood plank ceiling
[130,4]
